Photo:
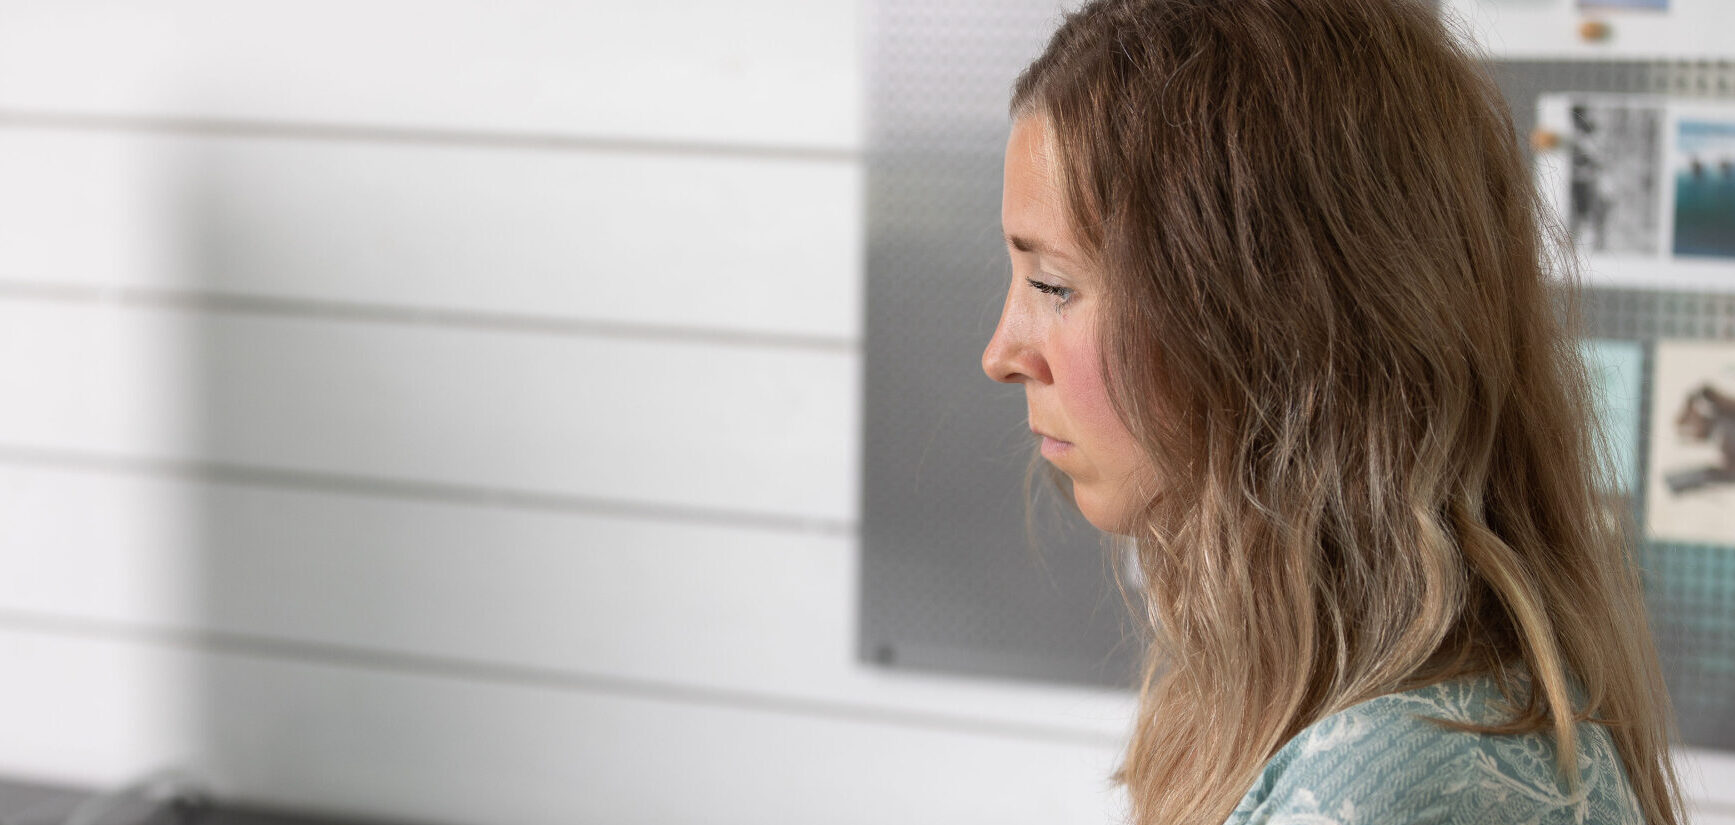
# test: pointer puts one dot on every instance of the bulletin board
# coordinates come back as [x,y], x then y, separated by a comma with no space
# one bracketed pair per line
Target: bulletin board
[1630,110]
[1651,350]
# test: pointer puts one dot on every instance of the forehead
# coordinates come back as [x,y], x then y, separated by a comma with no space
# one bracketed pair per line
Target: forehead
[1030,180]
[1033,203]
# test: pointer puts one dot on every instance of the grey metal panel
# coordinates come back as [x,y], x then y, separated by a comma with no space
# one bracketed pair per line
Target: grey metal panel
[950,579]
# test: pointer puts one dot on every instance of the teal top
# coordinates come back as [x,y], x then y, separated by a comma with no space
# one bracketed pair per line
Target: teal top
[1382,762]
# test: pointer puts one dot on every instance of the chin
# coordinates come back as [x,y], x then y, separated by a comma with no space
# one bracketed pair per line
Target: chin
[1109,516]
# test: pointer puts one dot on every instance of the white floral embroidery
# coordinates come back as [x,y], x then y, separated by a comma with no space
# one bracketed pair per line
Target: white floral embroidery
[1335,731]
[1306,812]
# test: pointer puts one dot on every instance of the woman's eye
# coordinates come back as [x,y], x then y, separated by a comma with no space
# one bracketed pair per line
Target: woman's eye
[1062,292]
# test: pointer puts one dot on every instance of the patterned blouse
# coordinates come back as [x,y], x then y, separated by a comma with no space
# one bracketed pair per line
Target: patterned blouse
[1381,763]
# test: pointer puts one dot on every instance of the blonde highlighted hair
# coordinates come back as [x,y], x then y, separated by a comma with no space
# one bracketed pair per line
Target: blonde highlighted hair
[1331,326]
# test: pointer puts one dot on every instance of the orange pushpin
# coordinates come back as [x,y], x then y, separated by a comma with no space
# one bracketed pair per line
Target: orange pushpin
[1544,140]
[1594,31]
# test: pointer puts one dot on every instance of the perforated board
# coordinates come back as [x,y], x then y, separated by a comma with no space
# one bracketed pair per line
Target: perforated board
[1690,587]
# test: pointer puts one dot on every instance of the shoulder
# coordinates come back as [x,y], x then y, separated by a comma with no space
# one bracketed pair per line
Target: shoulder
[1385,761]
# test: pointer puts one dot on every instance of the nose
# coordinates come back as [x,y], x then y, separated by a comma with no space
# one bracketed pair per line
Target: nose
[1012,355]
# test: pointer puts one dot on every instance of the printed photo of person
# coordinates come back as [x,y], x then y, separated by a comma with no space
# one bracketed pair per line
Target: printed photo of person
[1690,492]
[1615,150]
[1705,187]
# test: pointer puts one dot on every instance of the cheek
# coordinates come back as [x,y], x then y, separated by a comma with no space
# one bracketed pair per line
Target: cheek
[1107,483]
[1087,398]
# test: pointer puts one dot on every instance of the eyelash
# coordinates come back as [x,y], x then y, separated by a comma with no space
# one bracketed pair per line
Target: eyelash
[1064,293]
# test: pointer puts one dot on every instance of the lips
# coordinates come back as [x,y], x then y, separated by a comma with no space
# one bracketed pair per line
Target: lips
[1052,447]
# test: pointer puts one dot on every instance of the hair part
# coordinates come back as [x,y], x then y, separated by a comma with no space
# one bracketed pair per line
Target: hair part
[1330,325]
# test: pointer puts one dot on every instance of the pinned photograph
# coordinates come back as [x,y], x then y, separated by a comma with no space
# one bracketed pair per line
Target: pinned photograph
[1690,494]
[1616,5]
[1705,187]
[1616,371]
[1616,156]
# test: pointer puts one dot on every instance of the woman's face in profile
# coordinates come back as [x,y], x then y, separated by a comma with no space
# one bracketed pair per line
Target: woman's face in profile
[1047,339]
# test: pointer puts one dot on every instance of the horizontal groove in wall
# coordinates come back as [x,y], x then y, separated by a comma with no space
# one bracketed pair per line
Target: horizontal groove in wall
[440,137]
[207,471]
[235,644]
[379,313]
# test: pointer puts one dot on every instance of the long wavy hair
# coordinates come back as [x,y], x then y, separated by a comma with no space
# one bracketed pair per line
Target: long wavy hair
[1335,325]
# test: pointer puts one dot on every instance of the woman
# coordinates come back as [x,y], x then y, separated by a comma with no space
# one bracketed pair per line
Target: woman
[1283,316]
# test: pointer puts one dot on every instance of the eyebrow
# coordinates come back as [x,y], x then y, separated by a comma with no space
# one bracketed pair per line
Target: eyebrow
[1024,244]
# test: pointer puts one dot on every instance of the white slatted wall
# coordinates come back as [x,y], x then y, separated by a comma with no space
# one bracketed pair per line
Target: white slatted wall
[447,411]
